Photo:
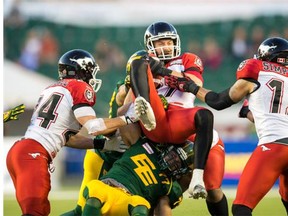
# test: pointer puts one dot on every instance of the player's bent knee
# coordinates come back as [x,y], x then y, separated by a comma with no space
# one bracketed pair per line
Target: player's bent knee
[138,206]
[91,189]
[94,202]
[204,117]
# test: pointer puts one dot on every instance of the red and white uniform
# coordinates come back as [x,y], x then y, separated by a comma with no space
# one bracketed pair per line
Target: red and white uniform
[193,64]
[269,103]
[53,120]
[269,106]
[175,124]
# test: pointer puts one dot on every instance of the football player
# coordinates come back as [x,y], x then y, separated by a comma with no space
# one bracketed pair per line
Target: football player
[97,162]
[138,179]
[62,109]
[263,81]
[179,119]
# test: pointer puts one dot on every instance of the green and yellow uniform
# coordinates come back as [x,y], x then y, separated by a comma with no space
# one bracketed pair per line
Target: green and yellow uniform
[96,163]
[134,180]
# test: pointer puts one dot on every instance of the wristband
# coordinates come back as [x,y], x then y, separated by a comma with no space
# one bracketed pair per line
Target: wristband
[166,72]
[244,112]
[99,143]
[193,88]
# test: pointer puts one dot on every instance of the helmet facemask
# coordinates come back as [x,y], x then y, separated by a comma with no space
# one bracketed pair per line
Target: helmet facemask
[176,161]
[176,48]
[88,74]
[95,83]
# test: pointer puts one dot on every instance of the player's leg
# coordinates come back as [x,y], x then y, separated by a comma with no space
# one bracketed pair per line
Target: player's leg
[204,121]
[92,207]
[107,200]
[146,94]
[213,175]
[95,194]
[283,189]
[94,167]
[138,206]
[27,163]
[269,160]
[139,79]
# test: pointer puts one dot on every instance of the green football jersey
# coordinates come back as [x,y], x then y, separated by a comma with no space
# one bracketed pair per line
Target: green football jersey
[110,157]
[112,104]
[139,171]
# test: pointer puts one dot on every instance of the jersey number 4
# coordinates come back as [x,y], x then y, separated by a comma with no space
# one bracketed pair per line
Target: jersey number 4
[47,111]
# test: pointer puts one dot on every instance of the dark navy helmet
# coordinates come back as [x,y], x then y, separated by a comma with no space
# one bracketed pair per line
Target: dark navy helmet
[274,49]
[79,64]
[162,30]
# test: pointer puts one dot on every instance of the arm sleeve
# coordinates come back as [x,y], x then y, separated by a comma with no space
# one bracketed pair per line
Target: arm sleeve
[219,101]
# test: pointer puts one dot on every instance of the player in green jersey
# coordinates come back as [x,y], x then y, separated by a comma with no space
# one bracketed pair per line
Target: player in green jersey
[137,180]
[97,162]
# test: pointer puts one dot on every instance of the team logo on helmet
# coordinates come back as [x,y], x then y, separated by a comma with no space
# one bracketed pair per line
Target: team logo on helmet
[264,49]
[83,62]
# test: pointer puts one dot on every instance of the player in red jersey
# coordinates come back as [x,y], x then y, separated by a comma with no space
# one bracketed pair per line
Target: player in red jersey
[263,80]
[62,109]
[179,119]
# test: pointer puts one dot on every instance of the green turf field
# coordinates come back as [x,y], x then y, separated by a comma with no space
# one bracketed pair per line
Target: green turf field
[270,205]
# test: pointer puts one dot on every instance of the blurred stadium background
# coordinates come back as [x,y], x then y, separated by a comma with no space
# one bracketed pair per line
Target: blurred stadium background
[222,32]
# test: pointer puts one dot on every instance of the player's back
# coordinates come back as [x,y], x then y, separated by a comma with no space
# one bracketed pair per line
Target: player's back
[138,170]
[53,120]
[269,103]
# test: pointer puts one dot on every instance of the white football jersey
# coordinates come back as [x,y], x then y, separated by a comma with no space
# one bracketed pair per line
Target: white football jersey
[187,61]
[269,103]
[53,119]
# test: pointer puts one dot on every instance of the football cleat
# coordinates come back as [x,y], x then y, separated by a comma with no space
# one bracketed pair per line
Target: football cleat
[197,187]
[145,113]
[197,192]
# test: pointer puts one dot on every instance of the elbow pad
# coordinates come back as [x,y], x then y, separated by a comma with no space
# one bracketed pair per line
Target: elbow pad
[219,101]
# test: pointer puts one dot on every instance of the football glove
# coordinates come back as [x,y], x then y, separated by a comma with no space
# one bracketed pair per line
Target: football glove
[111,143]
[184,84]
[131,116]
[12,114]
[244,109]
[127,82]
[115,143]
